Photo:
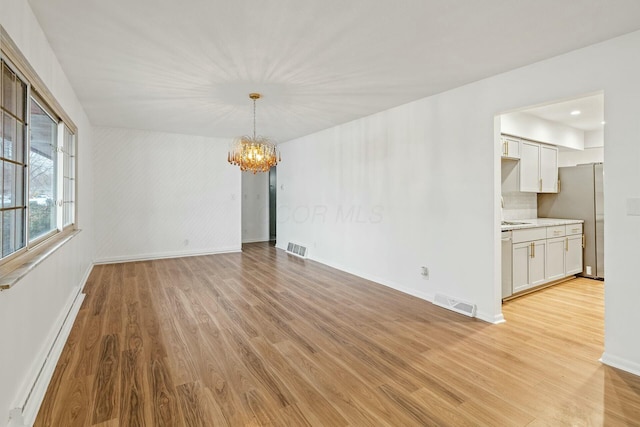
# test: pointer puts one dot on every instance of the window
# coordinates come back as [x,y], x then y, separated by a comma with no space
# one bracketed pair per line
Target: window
[13,102]
[42,172]
[37,157]
[69,177]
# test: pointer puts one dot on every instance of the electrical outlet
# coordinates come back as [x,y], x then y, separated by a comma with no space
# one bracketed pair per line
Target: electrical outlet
[424,271]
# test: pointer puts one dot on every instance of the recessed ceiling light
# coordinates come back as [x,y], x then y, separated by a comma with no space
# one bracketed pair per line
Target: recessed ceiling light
[575,113]
[603,122]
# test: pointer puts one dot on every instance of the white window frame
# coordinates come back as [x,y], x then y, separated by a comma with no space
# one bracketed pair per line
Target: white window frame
[68,166]
[35,89]
[25,160]
[48,111]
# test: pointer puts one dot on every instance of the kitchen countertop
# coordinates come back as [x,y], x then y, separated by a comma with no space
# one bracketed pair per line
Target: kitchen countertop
[539,222]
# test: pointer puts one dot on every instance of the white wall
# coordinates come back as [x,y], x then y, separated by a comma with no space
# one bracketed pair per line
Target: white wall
[409,187]
[426,176]
[593,150]
[588,155]
[531,127]
[163,195]
[255,207]
[593,139]
[30,312]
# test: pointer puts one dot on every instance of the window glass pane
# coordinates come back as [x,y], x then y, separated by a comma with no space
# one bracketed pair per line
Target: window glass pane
[18,144]
[9,131]
[8,89]
[68,173]
[8,232]
[8,184]
[42,173]
[19,188]
[19,229]
[21,97]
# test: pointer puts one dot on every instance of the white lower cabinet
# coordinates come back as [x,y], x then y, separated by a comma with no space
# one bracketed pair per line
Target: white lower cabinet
[573,254]
[544,254]
[520,266]
[529,267]
[556,258]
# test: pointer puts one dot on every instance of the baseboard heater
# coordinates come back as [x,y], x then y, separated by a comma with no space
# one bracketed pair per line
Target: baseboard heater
[297,250]
[25,414]
[456,305]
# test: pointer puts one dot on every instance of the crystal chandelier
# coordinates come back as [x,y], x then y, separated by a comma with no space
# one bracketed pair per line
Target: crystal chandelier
[257,153]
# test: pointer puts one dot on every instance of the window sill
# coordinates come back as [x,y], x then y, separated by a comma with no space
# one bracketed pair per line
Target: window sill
[17,268]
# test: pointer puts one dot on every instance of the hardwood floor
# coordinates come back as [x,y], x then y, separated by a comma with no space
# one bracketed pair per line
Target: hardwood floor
[263,338]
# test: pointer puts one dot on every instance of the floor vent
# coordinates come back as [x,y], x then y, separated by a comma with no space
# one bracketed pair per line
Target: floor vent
[456,305]
[297,250]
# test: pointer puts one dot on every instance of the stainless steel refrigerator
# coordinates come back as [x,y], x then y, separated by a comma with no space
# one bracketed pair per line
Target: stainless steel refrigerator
[580,196]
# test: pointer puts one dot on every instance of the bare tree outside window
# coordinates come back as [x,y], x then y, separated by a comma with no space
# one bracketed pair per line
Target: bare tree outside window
[42,172]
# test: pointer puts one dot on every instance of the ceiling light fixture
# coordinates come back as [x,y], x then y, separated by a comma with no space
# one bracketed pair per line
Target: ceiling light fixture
[575,113]
[256,153]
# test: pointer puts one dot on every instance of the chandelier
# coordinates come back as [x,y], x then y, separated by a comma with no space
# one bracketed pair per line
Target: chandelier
[256,153]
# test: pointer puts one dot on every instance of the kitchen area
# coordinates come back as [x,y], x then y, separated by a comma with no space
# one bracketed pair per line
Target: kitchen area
[552,194]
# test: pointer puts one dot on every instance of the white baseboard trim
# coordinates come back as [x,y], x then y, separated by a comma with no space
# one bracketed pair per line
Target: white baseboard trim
[493,319]
[496,319]
[163,255]
[85,278]
[25,412]
[620,363]
[265,239]
[413,292]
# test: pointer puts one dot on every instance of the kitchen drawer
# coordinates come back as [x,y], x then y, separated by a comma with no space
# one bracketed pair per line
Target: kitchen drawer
[556,231]
[572,229]
[528,234]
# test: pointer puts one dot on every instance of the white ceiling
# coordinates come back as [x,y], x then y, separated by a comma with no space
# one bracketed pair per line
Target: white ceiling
[188,66]
[591,112]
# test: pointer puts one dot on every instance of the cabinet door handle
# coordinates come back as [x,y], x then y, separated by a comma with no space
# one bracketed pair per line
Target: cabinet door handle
[533,249]
[541,185]
[583,241]
[559,185]
[566,244]
[506,143]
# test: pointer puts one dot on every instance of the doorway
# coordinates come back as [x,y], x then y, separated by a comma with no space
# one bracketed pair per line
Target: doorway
[552,158]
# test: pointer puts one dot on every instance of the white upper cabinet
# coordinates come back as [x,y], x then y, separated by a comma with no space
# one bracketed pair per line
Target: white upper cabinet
[538,167]
[529,167]
[548,169]
[510,147]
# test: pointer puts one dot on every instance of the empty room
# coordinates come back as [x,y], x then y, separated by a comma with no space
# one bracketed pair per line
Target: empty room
[319,213]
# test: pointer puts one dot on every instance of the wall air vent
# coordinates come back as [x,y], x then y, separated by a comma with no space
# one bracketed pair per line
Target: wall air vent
[297,250]
[456,305]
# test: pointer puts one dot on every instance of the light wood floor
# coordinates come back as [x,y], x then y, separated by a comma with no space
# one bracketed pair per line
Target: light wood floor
[262,338]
